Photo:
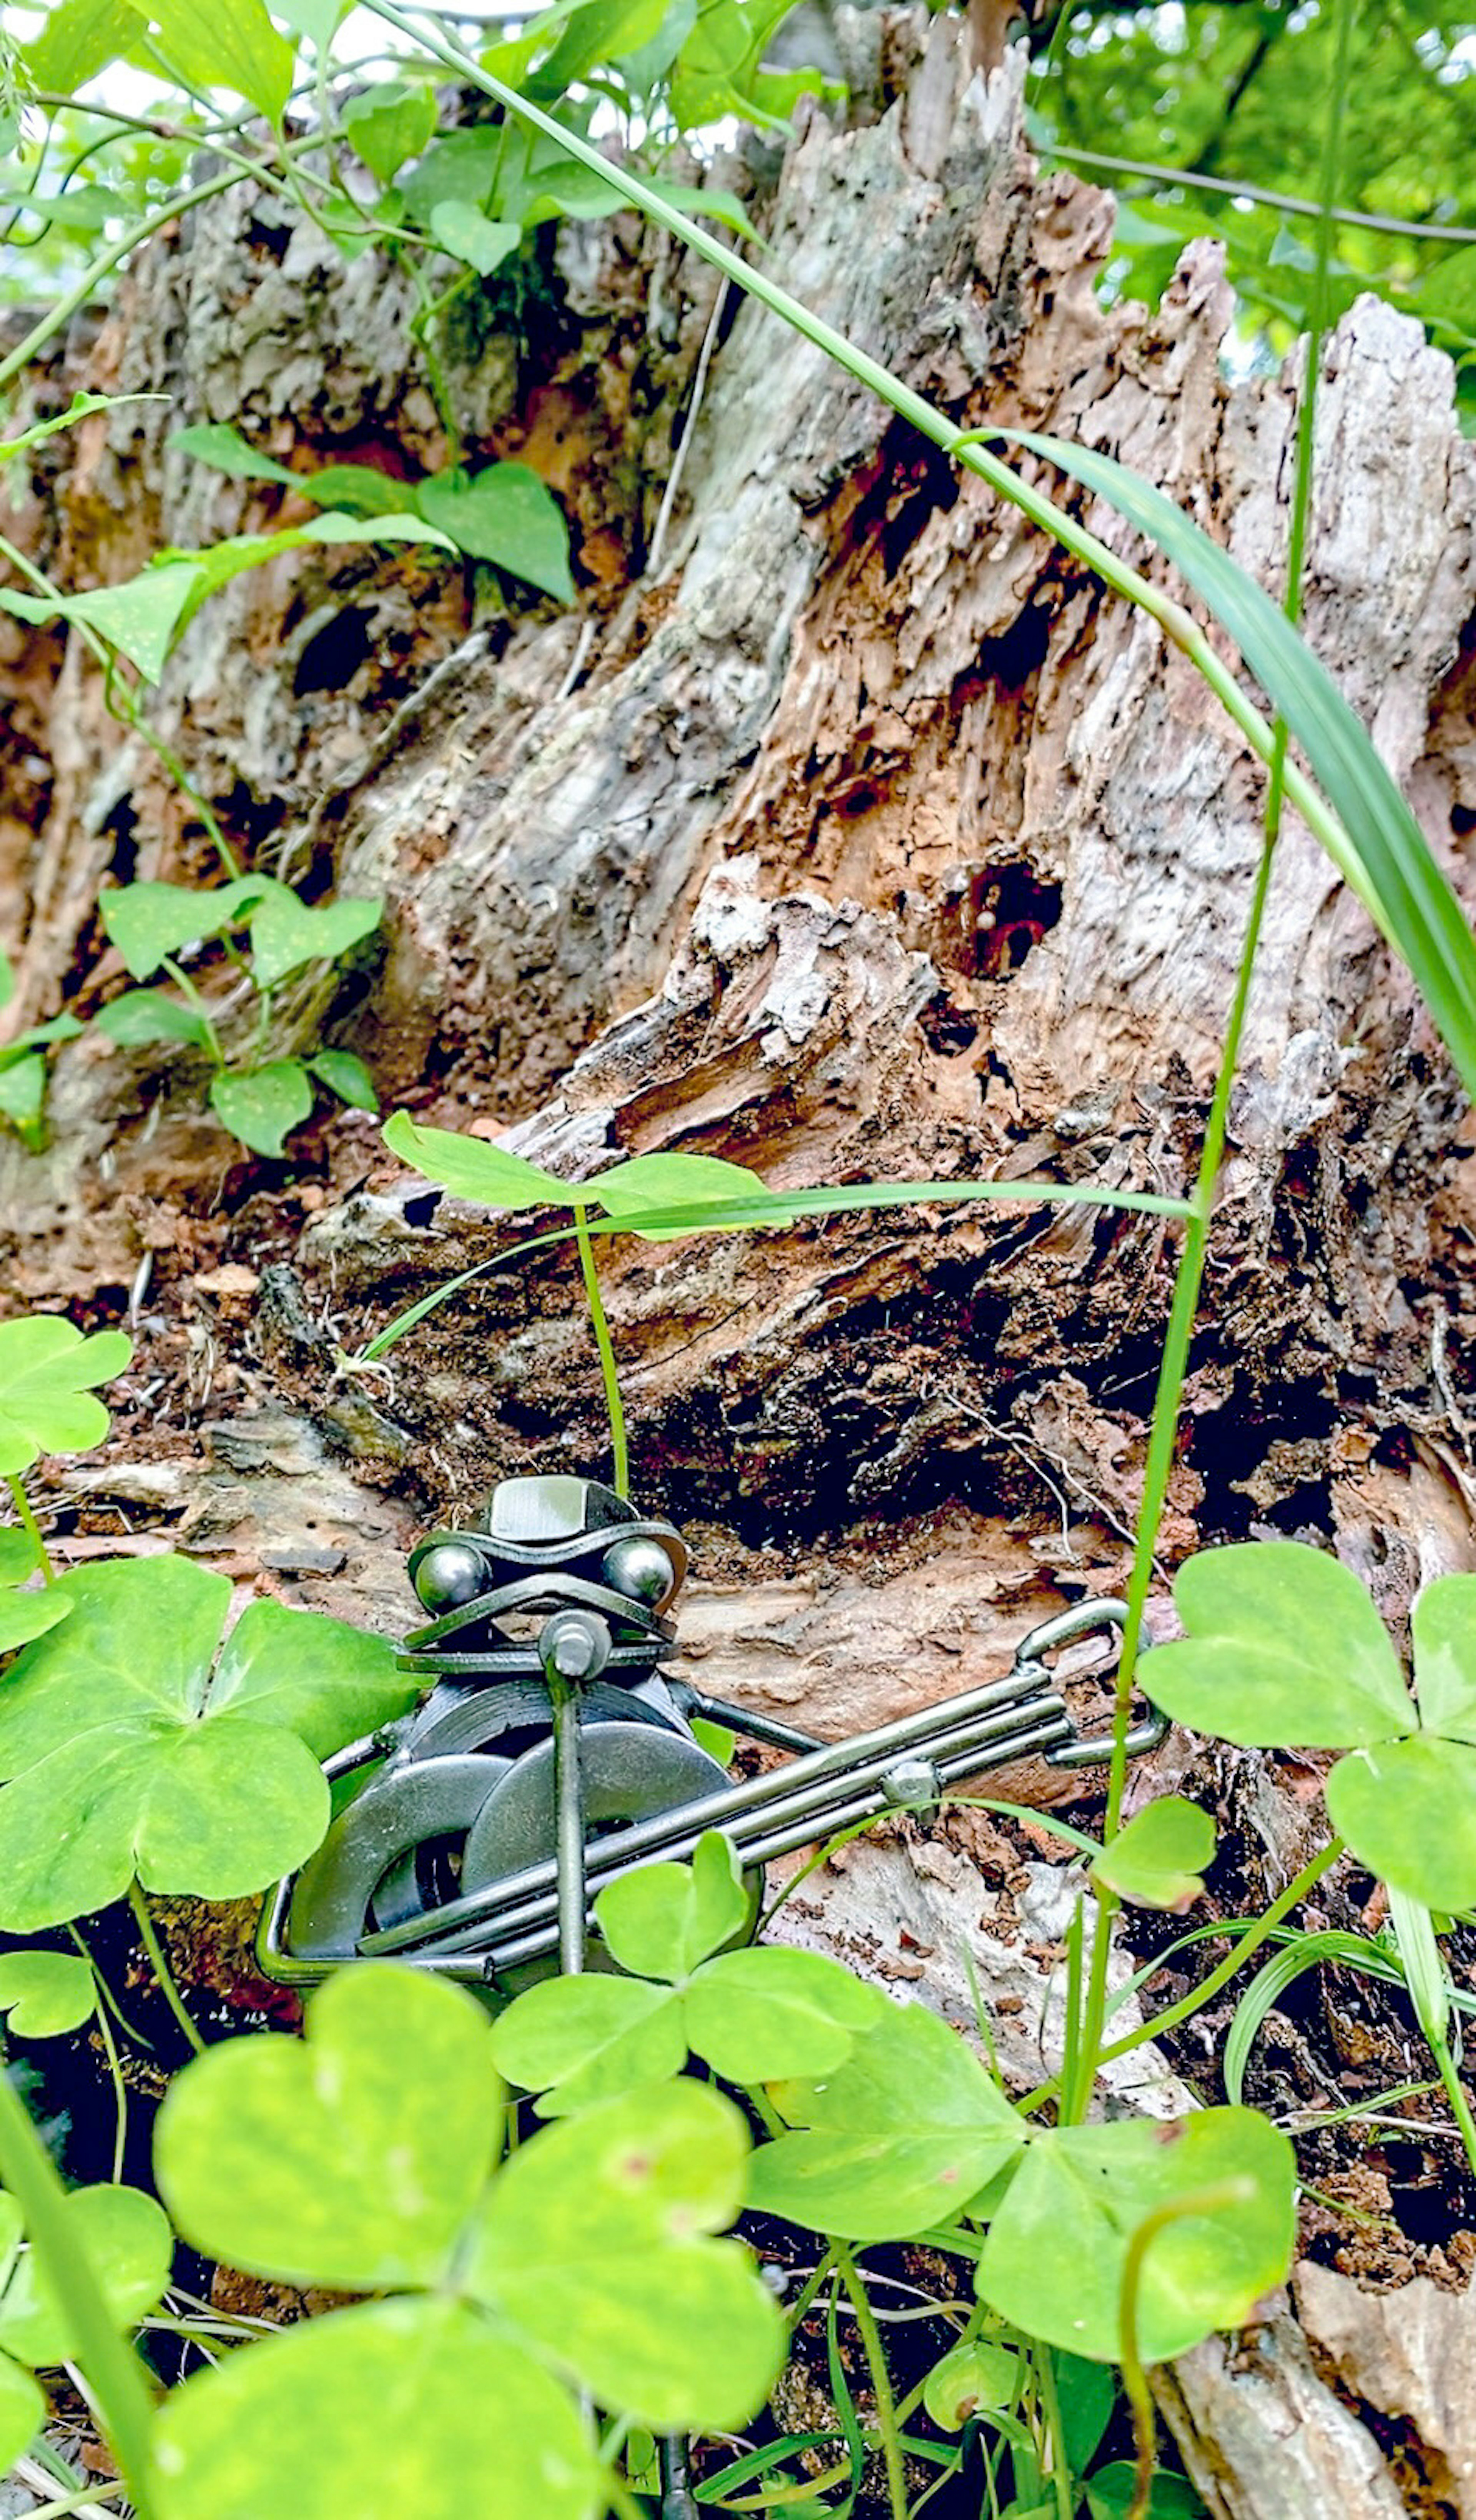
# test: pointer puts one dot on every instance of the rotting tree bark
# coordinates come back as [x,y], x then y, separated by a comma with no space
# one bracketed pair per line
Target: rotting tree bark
[865,837]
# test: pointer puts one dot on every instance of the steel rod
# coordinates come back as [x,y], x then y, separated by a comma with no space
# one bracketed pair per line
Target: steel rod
[777,1799]
[535,1945]
[847,1756]
[568,1787]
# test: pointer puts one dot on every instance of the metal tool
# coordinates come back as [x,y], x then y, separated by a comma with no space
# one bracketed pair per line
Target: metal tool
[553,1752]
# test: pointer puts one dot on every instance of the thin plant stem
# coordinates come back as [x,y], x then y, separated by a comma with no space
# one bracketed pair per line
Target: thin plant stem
[719,1217]
[881,2383]
[195,998]
[1055,2430]
[84,2500]
[115,2379]
[619,1447]
[29,1525]
[1163,1433]
[100,1978]
[1246,1947]
[1158,1465]
[120,2086]
[1222,2196]
[1240,190]
[621,2498]
[1455,2090]
[138,1902]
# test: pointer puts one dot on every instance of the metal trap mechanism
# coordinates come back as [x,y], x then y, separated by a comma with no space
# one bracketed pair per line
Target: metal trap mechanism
[554,1751]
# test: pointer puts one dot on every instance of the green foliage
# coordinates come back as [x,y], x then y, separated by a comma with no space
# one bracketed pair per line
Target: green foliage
[81,407]
[368,2159]
[752,2015]
[1158,1859]
[22,1067]
[260,1104]
[151,923]
[126,2239]
[1221,92]
[236,48]
[191,1765]
[48,1374]
[144,616]
[981,2374]
[642,1186]
[907,2133]
[1103,2183]
[43,1994]
[503,513]
[24,1614]
[1284,1649]
[384,125]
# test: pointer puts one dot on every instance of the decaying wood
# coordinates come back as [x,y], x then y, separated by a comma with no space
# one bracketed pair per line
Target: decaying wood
[865,837]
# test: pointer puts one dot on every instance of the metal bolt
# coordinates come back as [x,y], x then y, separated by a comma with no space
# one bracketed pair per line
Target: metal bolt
[913,1785]
[574,1646]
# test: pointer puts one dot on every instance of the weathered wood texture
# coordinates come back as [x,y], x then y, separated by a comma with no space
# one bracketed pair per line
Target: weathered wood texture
[864,834]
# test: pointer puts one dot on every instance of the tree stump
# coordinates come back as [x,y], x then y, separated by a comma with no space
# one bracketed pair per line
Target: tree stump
[849,831]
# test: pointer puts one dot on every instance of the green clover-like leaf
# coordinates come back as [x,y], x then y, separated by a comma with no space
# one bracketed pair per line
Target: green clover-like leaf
[1408,1810]
[129,2248]
[366,2157]
[403,2406]
[902,2136]
[973,2377]
[593,2245]
[1054,2258]
[753,2015]
[1442,1630]
[135,1743]
[661,1920]
[1284,1649]
[45,1993]
[329,2161]
[578,2040]
[1158,1860]
[47,1374]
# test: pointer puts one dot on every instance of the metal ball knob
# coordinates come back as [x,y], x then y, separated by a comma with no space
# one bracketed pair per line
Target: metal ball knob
[641,1569]
[449,1575]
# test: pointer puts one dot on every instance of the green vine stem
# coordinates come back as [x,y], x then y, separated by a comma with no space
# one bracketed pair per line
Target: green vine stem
[1163,1433]
[30,1524]
[138,1902]
[881,2383]
[114,2375]
[608,1374]
[1222,2196]
[1246,1947]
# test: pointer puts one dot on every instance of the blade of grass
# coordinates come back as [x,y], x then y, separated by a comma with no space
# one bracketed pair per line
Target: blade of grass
[780,1209]
[113,2373]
